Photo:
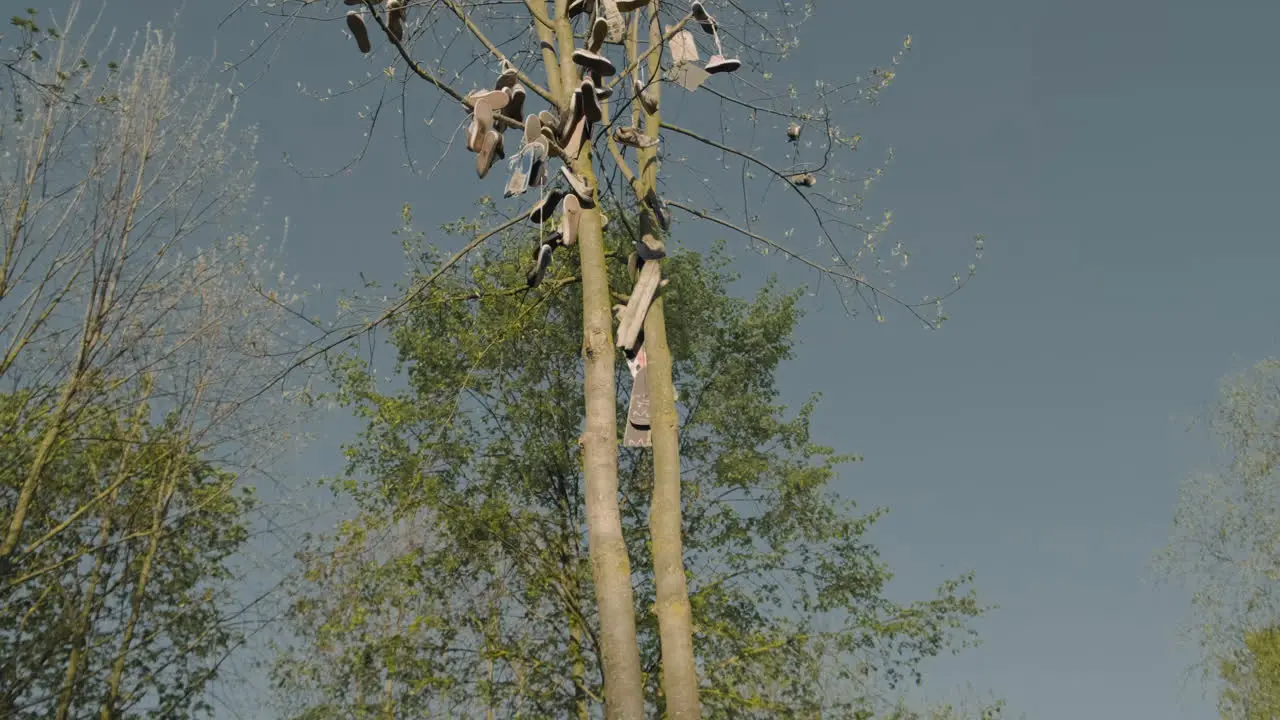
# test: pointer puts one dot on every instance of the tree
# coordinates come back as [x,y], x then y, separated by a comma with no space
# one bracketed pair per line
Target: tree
[121,602]
[654,45]
[133,338]
[1225,544]
[1251,677]
[459,585]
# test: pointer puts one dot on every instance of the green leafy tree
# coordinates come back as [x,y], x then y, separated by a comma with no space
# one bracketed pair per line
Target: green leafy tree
[745,138]
[1251,677]
[460,585]
[1225,545]
[118,604]
[134,337]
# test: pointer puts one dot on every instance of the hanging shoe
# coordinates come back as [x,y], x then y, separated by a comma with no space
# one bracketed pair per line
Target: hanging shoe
[395,19]
[545,207]
[659,209]
[647,96]
[355,24]
[484,103]
[490,151]
[638,430]
[577,185]
[721,64]
[528,164]
[703,18]
[577,7]
[804,179]
[595,62]
[515,107]
[577,136]
[542,261]
[649,247]
[602,92]
[520,165]
[589,102]
[634,137]
[570,216]
[597,34]
[617,24]
[793,132]
[683,48]
[630,5]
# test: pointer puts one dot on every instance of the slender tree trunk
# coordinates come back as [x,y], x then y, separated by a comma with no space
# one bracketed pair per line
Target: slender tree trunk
[164,494]
[82,623]
[675,615]
[579,669]
[610,566]
[104,536]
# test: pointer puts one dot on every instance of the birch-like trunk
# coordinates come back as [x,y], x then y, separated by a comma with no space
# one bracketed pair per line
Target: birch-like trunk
[610,566]
[675,615]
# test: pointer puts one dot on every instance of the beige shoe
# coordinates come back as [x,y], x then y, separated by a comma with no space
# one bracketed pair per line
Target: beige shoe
[613,16]
[633,137]
[683,48]
[395,19]
[570,216]
[490,150]
[355,24]
[484,103]
[577,185]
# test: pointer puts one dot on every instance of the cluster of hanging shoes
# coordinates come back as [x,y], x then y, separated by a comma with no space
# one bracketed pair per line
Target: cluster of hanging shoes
[685,69]
[395,22]
[571,194]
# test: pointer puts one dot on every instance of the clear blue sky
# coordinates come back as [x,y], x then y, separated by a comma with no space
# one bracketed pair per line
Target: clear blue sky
[1119,156]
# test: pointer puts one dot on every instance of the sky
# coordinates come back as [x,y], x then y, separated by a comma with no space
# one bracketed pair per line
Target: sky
[1119,158]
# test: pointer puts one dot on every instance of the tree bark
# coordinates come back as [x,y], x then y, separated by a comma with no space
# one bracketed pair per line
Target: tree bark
[610,566]
[675,615]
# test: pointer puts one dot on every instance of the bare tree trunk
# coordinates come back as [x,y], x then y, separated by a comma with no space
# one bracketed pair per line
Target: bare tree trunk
[675,615]
[610,566]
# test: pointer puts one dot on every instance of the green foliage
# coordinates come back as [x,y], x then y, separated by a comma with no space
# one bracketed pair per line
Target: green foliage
[90,527]
[1251,678]
[462,582]
[1225,544]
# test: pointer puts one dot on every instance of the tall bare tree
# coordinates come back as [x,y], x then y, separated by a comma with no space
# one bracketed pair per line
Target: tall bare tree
[135,329]
[625,87]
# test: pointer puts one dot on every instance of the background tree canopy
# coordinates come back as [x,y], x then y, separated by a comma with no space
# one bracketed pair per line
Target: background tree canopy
[461,582]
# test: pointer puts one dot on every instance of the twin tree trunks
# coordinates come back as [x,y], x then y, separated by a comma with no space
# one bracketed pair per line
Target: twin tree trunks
[579,95]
